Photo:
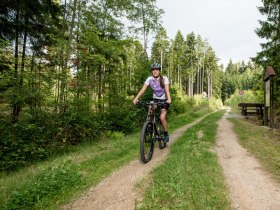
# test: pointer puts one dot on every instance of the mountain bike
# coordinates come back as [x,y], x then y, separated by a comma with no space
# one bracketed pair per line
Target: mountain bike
[152,131]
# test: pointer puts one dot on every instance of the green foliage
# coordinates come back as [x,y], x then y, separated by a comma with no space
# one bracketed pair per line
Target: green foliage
[269,55]
[228,87]
[241,76]
[160,48]
[248,97]
[76,127]
[178,105]
[122,119]
[5,64]
[20,144]
[114,134]
[182,103]
[42,135]
[37,137]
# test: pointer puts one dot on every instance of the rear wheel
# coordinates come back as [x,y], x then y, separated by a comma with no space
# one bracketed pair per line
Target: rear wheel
[161,142]
[147,142]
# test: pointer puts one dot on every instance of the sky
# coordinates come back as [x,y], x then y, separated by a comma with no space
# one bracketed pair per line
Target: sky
[228,25]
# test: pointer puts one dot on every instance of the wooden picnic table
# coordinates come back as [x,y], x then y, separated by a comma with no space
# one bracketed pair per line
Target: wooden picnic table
[252,108]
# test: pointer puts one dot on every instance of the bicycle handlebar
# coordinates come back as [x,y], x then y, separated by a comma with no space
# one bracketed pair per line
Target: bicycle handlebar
[151,103]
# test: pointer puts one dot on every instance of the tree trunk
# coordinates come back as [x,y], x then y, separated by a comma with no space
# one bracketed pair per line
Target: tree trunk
[16,106]
[30,81]
[202,79]
[99,94]
[191,80]
[161,59]
[189,85]
[145,33]
[23,53]
[209,84]
[197,79]
[178,75]
[211,88]
[62,97]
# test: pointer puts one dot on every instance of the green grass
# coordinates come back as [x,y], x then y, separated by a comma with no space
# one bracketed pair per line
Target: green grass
[262,142]
[53,183]
[191,177]
[183,119]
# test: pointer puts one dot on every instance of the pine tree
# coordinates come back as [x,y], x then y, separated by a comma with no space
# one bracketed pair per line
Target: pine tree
[160,48]
[270,31]
[26,24]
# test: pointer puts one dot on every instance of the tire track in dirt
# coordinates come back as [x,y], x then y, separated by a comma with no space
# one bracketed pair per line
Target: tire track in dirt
[117,191]
[250,186]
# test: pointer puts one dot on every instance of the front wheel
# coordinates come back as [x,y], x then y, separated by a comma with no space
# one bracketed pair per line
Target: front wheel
[147,142]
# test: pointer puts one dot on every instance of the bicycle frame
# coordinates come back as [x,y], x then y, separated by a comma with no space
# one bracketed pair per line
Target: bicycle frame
[152,116]
[151,132]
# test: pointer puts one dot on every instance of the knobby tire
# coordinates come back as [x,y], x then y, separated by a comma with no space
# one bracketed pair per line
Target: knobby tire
[147,142]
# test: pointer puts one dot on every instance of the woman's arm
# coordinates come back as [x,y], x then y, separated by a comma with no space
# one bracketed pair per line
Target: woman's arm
[167,92]
[136,99]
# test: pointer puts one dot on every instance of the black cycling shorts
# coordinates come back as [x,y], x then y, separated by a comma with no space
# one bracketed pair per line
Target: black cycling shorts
[163,106]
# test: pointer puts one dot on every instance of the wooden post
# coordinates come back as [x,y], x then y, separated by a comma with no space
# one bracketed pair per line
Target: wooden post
[272,99]
[265,116]
[269,97]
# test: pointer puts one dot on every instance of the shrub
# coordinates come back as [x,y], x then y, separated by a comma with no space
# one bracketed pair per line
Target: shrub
[248,96]
[21,144]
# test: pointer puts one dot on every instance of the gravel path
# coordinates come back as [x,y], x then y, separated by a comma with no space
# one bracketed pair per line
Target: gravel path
[250,186]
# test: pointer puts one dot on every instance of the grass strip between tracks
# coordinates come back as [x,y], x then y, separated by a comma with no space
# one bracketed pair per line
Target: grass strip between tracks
[191,177]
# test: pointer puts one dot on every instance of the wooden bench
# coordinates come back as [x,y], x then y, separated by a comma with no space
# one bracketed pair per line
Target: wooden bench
[251,108]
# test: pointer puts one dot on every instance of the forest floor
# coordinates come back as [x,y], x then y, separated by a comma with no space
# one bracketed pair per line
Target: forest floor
[249,185]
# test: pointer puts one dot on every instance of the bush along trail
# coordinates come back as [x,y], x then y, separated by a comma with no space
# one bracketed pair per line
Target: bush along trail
[53,183]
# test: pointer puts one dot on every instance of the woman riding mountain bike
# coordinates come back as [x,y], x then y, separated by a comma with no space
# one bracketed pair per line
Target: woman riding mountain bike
[161,93]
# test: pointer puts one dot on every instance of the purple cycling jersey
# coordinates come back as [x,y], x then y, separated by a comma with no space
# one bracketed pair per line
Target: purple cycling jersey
[154,83]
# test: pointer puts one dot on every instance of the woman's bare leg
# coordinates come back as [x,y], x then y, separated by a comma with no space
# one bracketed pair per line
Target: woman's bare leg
[163,120]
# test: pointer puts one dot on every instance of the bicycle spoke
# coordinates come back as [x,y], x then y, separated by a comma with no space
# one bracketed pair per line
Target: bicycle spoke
[147,142]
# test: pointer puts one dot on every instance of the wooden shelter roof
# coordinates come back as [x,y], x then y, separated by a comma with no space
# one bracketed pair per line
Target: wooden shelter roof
[269,73]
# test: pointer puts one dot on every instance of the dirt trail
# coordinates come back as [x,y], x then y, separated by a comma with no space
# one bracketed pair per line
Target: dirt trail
[117,191]
[250,186]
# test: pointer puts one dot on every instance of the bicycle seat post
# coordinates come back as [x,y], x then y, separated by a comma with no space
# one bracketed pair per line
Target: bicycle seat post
[151,110]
